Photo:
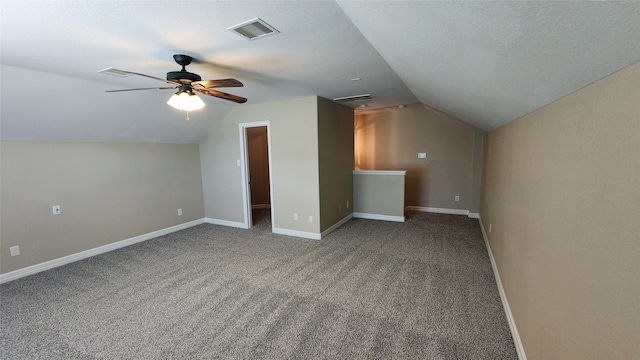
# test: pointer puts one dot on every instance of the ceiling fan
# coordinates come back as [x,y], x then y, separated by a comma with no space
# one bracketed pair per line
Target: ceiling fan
[187,83]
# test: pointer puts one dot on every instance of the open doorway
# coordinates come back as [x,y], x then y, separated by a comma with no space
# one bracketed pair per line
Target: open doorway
[258,164]
[256,170]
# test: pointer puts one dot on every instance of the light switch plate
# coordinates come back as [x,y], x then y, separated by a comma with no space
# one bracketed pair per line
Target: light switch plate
[422,155]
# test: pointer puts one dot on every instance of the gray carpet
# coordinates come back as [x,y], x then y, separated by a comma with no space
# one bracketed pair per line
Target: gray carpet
[423,289]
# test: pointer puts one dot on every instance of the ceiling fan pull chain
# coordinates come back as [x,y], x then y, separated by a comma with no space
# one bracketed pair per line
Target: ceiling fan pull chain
[188,116]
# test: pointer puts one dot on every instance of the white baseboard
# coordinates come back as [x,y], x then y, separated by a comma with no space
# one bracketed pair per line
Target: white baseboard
[442,211]
[261,206]
[505,303]
[33,269]
[336,225]
[226,223]
[296,233]
[378,217]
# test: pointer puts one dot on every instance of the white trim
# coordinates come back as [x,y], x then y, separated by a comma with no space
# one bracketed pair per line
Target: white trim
[246,196]
[438,210]
[378,217]
[33,269]
[226,223]
[474,215]
[380,172]
[261,206]
[336,225]
[503,296]
[296,233]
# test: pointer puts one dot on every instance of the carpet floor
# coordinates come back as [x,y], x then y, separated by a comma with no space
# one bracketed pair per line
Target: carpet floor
[423,289]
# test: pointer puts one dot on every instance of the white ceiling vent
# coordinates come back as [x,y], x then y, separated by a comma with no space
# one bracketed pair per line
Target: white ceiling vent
[115,72]
[253,29]
[354,98]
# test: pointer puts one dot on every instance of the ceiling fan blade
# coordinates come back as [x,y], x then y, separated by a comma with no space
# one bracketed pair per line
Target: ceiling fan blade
[222,95]
[126,73]
[208,84]
[153,88]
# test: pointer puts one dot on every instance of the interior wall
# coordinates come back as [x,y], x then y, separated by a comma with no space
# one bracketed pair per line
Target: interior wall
[335,142]
[294,157]
[258,154]
[390,139]
[379,195]
[561,194]
[108,192]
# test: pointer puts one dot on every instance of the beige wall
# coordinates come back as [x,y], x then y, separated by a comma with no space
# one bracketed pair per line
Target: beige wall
[391,139]
[108,192]
[378,194]
[294,156]
[561,191]
[335,144]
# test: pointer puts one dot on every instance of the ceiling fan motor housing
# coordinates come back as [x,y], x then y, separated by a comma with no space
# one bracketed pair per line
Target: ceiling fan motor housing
[183,76]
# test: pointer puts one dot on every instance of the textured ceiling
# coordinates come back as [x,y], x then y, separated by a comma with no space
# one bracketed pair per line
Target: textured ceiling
[485,63]
[488,63]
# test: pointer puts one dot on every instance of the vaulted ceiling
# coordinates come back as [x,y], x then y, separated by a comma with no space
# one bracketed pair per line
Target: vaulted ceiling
[485,63]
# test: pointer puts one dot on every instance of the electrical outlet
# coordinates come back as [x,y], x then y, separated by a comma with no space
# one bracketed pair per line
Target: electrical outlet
[489,227]
[310,218]
[56,210]
[457,197]
[15,250]
[422,155]
[179,212]
[295,216]
[347,204]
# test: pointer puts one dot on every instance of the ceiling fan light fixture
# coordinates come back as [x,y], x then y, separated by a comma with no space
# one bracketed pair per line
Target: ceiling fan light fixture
[186,101]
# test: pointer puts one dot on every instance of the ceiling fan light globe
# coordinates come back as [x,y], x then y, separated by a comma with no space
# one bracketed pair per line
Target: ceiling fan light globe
[186,102]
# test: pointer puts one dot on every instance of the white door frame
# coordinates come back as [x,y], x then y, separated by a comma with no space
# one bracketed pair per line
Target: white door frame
[244,169]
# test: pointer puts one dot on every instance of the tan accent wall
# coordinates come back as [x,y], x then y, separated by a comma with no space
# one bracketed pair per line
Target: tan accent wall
[561,192]
[335,145]
[294,156]
[108,192]
[391,139]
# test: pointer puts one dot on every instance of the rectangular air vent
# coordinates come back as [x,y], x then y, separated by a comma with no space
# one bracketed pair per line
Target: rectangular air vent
[115,72]
[354,98]
[253,29]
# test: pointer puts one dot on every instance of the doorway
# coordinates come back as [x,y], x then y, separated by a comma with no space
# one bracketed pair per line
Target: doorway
[256,171]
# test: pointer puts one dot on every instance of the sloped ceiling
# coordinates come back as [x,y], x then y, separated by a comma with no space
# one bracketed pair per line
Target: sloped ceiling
[488,63]
[485,63]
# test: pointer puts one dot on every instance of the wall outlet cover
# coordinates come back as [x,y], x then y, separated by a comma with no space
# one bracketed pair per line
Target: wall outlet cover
[15,250]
